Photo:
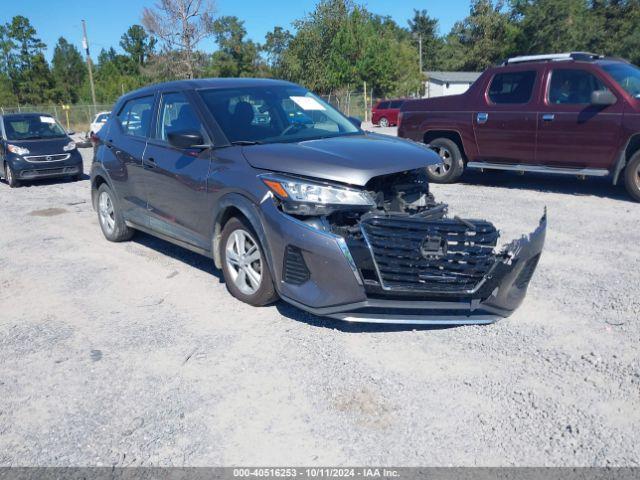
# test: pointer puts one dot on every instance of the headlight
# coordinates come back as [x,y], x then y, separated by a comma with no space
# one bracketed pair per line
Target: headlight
[305,197]
[17,150]
[69,146]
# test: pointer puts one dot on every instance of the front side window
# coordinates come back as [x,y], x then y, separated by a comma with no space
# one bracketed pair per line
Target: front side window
[572,87]
[396,104]
[625,75]
[383,106]
[32,127]
[274,114]
[512,87]
[176,115]
[135,116]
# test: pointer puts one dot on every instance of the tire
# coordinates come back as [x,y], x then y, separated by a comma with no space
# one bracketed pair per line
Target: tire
[110,217]
[632,176]
[10,176]
[452,164]
[249,281]
[384,122]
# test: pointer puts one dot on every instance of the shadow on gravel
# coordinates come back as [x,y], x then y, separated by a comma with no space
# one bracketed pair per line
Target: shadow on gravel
[181,254]
[597,187]
[298,315]
[51,181]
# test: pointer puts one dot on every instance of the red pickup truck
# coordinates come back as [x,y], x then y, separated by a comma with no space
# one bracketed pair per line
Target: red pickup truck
[572,113]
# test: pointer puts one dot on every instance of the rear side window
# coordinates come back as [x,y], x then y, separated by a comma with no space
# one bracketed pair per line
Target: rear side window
[395,104]
[135,116]
[176,115]
[573,87]
[512,87]
[383,105]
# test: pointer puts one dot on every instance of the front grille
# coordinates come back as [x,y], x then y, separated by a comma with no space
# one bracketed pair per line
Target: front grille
[48,158]
[439,256]
[295,268]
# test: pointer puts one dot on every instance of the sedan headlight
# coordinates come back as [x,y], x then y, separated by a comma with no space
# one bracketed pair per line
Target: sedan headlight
[69,146]
[17,150]
[305,197]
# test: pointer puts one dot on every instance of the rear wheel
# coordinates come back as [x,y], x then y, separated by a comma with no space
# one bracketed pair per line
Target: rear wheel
[452,165]
[110,217]
[10,176]
[632,176]
[245,269]
[384,122]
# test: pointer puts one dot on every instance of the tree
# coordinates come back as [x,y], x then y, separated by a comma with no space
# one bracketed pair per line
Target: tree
[615,28]
[138,44]
[236,57]
[547,26]
[180,25]
[275,45]
[68,70]
[484,37]
[425,28]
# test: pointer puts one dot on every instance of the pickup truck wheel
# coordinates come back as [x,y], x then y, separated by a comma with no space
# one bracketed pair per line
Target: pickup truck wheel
[244,265]
[452,164]
[632,176]
[384,122]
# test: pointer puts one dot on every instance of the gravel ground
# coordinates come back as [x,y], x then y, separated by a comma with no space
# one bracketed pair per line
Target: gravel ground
[135,354]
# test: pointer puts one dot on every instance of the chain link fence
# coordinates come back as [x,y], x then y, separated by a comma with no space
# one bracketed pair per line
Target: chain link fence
[73,117]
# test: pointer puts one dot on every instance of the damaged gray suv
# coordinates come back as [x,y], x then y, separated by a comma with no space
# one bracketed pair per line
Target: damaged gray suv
[293,200]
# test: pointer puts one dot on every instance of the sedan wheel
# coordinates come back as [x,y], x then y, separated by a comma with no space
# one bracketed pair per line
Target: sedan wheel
[106,212]
[442,169]
[244,262]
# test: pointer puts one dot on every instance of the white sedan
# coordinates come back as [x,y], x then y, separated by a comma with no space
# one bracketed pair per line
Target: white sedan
[98,122]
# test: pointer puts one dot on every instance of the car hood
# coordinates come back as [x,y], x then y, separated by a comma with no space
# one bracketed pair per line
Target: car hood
[352,159]
[43,146]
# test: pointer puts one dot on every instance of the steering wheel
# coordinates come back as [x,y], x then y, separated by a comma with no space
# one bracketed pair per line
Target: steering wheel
[294,127]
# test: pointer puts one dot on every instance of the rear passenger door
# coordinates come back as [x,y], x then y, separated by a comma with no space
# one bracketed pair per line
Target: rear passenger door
[125,146]
[573,133]
[177,178]
[505,124]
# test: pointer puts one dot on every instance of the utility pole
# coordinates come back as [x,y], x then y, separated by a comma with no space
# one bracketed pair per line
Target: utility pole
[85,45]
[420,51]
[366,112]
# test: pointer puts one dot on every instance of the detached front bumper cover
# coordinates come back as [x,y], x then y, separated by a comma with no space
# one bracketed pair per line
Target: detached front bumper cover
[498,294]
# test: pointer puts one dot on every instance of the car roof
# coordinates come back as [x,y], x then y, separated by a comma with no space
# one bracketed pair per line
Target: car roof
[203,83]
[560,58]
[10,116]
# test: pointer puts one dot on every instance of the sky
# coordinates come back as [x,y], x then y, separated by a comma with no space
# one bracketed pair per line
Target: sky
[107,20]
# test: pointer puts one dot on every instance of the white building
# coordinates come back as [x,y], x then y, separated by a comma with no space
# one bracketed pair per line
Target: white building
[439,84]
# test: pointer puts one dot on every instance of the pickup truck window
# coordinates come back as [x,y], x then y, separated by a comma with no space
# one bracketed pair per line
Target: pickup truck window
[396,104]
[512,87]
[383,106]
[572,86]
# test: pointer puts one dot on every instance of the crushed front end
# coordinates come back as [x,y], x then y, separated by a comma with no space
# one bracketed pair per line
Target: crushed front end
[412,262]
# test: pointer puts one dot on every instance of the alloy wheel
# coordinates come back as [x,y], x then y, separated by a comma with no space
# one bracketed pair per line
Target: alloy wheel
[106,212]
[244,261]
[384,122]
[441,169]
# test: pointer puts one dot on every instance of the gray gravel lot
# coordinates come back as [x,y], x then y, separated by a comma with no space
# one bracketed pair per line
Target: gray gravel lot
[135,354]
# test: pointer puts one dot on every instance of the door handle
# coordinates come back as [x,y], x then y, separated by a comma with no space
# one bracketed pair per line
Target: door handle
[482,117]
[149,162]
[548,117]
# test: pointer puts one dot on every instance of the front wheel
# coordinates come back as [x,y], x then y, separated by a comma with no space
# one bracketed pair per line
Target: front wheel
[10,176]
[384,122]
[451,165]
[245,269]
[632,176]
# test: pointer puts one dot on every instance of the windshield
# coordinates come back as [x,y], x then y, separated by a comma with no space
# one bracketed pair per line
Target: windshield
[626,75]
[101,118]
[274,114]
[32,127]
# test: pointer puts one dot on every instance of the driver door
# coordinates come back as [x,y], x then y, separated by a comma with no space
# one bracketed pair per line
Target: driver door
[177,178]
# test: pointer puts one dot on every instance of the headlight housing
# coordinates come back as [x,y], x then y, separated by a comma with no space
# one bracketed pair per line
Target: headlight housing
[69,146]
[306,197]
[17,150]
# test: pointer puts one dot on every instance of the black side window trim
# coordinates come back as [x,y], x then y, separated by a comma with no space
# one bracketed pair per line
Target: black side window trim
[152,139]
[547,93]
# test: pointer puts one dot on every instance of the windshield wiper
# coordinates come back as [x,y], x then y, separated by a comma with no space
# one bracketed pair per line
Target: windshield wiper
[246,142]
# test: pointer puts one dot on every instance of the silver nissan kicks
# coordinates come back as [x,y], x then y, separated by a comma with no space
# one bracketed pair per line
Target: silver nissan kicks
[293,200]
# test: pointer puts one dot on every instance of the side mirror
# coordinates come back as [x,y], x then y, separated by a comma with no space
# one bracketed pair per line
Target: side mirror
[186,139]
[71,132]
[602,98]
[356,121]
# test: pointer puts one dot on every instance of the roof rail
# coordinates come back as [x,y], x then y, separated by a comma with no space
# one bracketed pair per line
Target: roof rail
[554,57]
